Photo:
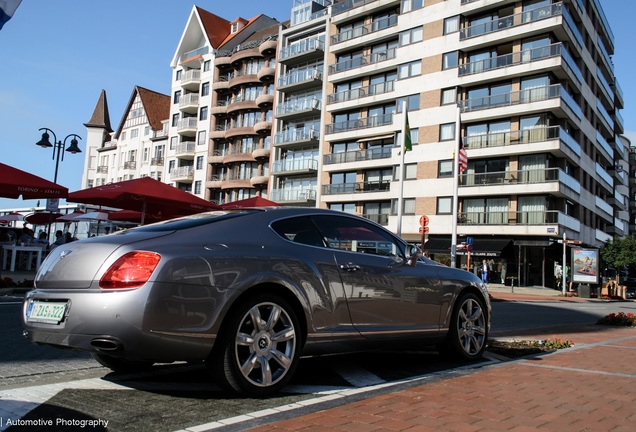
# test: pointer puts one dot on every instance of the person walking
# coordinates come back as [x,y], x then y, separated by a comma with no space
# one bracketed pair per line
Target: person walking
[484,272]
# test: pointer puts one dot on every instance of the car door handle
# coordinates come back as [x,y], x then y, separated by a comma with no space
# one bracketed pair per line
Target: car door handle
[349,267]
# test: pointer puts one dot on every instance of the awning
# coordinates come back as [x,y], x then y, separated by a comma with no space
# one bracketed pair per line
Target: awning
[481,247]
[375,138]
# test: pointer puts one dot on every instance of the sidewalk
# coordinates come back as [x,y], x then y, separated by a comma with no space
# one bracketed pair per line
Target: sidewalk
[589,387]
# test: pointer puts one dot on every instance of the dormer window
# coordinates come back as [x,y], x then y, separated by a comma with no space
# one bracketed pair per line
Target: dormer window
[237,25]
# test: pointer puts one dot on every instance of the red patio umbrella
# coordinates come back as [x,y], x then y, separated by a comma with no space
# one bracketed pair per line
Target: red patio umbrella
[15,183]
[42,218]
[145,195]
[250,202]
[69,217]
[134,216]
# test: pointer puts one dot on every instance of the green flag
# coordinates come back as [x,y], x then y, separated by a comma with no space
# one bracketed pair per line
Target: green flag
[408,145]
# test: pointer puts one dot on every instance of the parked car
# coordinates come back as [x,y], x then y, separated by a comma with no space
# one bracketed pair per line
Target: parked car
[249,291]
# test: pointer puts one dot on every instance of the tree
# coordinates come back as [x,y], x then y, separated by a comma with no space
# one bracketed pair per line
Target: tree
[619,253]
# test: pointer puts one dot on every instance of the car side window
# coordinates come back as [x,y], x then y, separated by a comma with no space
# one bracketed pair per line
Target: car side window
[356,236]
[299,230]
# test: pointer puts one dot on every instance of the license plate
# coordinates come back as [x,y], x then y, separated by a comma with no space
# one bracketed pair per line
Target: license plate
[46,312]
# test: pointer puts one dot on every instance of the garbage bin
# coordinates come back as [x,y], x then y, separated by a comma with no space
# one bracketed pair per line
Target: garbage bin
[584,291]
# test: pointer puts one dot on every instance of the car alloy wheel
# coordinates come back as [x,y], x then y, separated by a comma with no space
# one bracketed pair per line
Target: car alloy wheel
[468,333]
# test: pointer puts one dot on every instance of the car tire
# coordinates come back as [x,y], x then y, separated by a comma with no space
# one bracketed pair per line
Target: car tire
[258,359]
[468,333]
[121,365]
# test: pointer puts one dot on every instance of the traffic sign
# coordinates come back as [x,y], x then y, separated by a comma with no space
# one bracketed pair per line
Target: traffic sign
[424,221]
[424,230]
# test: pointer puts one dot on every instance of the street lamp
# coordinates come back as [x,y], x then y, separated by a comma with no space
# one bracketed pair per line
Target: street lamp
[58,147]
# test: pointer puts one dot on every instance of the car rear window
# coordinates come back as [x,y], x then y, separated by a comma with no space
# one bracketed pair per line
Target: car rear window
[193,221]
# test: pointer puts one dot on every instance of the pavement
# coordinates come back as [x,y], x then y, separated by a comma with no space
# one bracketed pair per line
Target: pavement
[588,387]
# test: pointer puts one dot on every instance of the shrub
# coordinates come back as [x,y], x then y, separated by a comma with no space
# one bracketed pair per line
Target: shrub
[619,319]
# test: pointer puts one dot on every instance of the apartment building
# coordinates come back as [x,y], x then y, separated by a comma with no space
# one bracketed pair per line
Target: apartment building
[310,113]
[527,87]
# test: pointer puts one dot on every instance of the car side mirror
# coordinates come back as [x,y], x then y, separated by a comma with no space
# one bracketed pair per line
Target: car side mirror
[413,253]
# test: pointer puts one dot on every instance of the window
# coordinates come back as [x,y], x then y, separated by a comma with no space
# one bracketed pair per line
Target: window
[445,168]
[201,137]
[447,131]
[177,97]
[343,207]
[408,206]
[205,89]
[451,25]
[411,5]
[203,113]
[408,70]
[146,154]
[206,66]
[134,133]
[175,120]
[197,187]
[414,136]
[177,76]
[411,36]
[449,60]
[146,130]
[412,103]
[444,205]
[123,136]
[410,171]
[171,165]
[199,162]
[173,142]
[449,96]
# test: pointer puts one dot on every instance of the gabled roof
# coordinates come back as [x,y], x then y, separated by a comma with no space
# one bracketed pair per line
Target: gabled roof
[216,28]
[100,117]
[156,106]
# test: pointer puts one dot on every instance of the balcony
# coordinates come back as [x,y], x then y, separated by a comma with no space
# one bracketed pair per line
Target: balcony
[506,217]
[183,173]
[534,135]
[102,169]
[298,108]
[240,79]
[189,103]
[263,127]
[191,79]
[357,156]
[359,62]
[265,99]
[295,137]
[266,74]
[187,126]
[259,180]
[223,82]
[303,50]
[359,187]
[361,92]
[537,94]
[363,123]
[347,5]
[284,196]
[156,161]
[185,150]
[194,54]
[108,145]
[218,132]
[301,166]
[363,30]
[522,57]
[261,153]
[220,108]
[300,79]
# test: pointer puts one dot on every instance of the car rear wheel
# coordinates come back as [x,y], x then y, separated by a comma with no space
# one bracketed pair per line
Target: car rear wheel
[258,352]
[121,365]
[468,333]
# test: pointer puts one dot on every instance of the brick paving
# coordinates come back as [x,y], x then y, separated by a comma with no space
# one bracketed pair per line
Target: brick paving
[589,387]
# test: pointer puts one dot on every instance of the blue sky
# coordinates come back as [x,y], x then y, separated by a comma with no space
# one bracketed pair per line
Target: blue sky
[59,55]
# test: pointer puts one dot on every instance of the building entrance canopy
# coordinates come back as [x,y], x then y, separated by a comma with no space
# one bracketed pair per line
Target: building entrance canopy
[481,247]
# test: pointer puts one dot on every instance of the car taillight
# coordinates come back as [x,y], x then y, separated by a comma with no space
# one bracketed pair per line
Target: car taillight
[130,271]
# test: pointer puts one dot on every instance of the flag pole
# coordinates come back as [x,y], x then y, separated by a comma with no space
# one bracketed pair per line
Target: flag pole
[401,183]
[455,189]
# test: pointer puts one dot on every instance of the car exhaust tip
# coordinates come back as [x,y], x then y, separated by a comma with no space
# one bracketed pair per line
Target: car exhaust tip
[104,344]
[25,333]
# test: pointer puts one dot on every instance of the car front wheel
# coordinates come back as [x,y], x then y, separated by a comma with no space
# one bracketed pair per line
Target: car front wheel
[258,352]
[468,333]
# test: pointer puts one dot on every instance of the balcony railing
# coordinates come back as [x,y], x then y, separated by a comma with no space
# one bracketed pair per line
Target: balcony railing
[185,147]
[295,165]
[360,31]
[536,94]
[361,92]
[130,165]
[363,123]
[298,106]
[103,169]
[180,172]
[510,177]
[503,23]
[517,58]
[199,51]
[525,136]
[542,217]
[360,155]
[187,123]
[359,187]
[156,161]
[346,5]
[284,195]
[357,62]
[299,76]
[302,47]
[295,135]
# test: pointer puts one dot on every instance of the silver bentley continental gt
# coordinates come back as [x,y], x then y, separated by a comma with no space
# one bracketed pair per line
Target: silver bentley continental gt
[249,292]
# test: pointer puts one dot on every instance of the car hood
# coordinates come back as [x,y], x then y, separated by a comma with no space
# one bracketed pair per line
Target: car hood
[75,265]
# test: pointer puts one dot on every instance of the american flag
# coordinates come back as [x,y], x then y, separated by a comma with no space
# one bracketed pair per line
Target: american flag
[463,158]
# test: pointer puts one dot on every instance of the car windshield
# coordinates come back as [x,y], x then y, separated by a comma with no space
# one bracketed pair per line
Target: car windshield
[194,221]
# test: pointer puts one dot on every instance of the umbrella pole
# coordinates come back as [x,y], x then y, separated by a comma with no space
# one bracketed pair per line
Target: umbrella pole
[143,213]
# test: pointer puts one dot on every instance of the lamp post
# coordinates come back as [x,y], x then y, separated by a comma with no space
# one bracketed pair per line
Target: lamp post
[58,147]
[58,153]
